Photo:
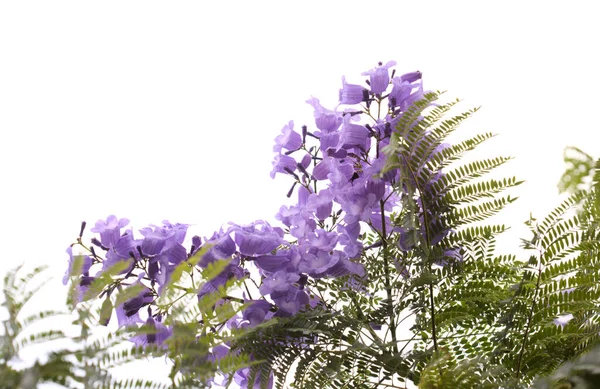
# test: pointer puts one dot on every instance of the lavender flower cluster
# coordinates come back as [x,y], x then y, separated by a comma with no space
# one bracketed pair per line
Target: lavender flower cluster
[341,191]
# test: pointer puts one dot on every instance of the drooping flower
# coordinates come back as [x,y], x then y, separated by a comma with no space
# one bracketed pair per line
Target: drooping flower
[257,312]
[152,332]
[353,136]
[287,259]
[283,164]
[78,265]
[257,238]
[351,93]
[326,120]
[128,311]
[232,271]
[405,91]
[321,203]
[82,287]
[221,247]
[289,139]
[290,301]
[316,262]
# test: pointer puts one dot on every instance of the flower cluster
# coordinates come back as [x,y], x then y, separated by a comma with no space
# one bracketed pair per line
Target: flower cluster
[341,190]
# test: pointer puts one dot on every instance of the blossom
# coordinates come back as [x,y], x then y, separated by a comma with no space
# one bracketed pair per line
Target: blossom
[278,282]
[221,247]
[257,238]
[232,271]
[78,265]
[152,332]
[321,203]
[353,135]
[379,77]
[290,301]
[179,230]
[128,311]
[283,164]
[110,230]
[405,91]
[351,93]
[82,287]
[289,139]
[124,250]
[287,259]
[325,119]
[255,313]
[155,239]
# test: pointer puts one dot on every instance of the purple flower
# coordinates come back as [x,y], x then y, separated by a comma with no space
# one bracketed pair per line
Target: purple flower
[290,301]
[128,312]
[155,239]
[172,253]
[322,240]
[152,332]
[82,261]
[179,230]
[344,267]
[257,312]
[379,77]
[354,135]
[404,93]
[110,230]
[279,281]
[321,203]
[287,259]
[297,218]
[82,287]
[122,251]
[289,139]
[329,143]
[283,164]
[325,119]
[231,271]
[351,93]
[349,234]
[222,247]
[316,262]
[258,238]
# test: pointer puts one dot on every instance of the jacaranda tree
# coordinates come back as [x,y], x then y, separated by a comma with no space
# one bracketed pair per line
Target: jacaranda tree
[383,272]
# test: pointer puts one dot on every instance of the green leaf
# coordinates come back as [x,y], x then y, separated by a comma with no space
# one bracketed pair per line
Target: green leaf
[105,311]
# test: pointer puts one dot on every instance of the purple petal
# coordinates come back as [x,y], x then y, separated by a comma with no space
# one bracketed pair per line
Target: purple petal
[379,77]
[289,139]
[351,93]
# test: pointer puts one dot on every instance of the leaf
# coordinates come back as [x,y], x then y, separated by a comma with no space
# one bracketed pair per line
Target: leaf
[105,311]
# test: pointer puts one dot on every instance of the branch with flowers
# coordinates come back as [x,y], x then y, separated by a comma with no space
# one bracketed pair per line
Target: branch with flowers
[383,273]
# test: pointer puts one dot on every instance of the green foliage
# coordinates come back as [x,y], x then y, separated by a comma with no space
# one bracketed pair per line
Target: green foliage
[581,373]
[578,171]
[18,289]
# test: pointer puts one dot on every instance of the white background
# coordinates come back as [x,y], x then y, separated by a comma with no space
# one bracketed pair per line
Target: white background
[168,110]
